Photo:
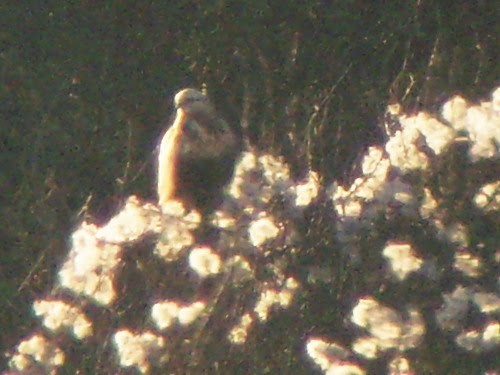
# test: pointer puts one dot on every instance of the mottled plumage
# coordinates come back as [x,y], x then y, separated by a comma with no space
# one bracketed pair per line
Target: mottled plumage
[197,153]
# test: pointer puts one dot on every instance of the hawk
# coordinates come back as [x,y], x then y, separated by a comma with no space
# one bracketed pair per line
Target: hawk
[197,153]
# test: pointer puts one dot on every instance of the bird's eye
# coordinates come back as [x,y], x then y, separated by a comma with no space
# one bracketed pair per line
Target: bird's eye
[189,100]
[193,100]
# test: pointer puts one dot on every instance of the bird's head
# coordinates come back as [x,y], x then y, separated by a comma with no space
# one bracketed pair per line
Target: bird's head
[191,100]
[200,124]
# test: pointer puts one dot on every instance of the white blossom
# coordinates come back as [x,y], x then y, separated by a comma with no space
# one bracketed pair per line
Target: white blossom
[484,132]
[205,261]
[138,349]
[454,111]
[165,313]
[488,197]
[467,263]
[387,327]
[488,303]
[239,333]
[403,152]
[367,346]
[331,358]
[168,312]
[270,297]
[58,315]
[37,351]
[477,340]
[437,135]
[262,230]
[176,235]
[132,222]
[90,266]
[190,313]
[400,365]
[402,260]
[307,191]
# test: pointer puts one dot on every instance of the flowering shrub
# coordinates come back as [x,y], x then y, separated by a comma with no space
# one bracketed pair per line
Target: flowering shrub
[344,279]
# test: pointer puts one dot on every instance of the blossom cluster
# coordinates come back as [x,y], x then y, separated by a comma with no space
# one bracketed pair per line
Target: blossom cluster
[412,247]
[420,201]
[102,259]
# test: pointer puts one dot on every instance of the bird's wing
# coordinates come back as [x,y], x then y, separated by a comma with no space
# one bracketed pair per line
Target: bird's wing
[207,136]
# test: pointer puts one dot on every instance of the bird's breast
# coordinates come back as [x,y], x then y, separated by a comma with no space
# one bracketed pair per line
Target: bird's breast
[206,138]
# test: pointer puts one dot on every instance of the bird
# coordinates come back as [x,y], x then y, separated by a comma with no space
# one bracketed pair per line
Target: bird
[197,154]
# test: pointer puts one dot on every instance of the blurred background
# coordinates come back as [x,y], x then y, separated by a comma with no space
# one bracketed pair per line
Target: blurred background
[86,92]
